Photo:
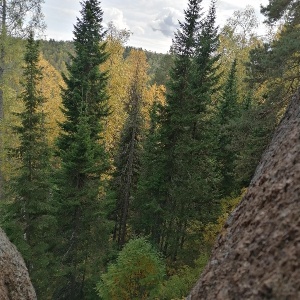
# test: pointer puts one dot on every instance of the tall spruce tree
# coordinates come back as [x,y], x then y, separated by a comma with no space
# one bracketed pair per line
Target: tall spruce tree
[227,116]
[194,184]
[184,193]
[17,18]
[164,206]
[83,229]
[28,217]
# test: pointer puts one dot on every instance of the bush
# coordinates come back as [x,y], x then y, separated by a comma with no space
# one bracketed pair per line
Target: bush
[136,274]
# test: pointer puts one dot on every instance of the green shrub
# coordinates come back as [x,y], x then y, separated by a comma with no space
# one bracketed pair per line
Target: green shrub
[136,274]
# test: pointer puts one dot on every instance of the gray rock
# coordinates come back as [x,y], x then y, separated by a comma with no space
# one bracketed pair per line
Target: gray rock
[15,283]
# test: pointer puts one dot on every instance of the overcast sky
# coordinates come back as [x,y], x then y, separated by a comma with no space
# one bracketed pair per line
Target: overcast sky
[152,22]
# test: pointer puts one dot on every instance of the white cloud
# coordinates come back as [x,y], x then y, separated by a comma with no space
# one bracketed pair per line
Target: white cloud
[116,16]
[152,22]
[138,30]
[166,21]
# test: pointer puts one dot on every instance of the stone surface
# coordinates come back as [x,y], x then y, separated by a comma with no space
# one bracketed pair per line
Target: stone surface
[14,279]
[257,255]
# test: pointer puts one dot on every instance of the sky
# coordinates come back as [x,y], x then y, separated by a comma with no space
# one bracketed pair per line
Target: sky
[151,22]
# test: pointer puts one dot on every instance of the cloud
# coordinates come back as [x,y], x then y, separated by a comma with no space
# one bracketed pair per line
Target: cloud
[138,30]
[166,21]
[152,22]
[116,16]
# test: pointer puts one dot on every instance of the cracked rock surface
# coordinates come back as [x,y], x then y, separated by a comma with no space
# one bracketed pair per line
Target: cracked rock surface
[15,283]
[257,255]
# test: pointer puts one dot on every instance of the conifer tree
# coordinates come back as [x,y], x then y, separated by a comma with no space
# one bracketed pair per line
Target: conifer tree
[164,206]
[83,230]
[28,217]
[17,18]
[194,179]
[183,194]
[227,115]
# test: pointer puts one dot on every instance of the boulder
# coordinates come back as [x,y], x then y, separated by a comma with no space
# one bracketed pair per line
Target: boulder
[257,255]
[15,283]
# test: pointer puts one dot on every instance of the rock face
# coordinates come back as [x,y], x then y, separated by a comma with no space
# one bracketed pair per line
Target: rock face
[257,256]
[14,279]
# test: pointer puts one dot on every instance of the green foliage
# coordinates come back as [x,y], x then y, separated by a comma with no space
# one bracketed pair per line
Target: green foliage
[57,53]
[147,212]
[135,275]
[273,70]
[212,230]
[83,235]
[178,182]
[28,215]
[253,130]
[276,63]
[277,9]
[180,284]
[228,112]
[160,67]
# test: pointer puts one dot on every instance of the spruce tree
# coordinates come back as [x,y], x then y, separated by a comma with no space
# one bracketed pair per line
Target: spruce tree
[28,218]
[83,229]
[164,206]
[227,116]
[194,179]
[184,194]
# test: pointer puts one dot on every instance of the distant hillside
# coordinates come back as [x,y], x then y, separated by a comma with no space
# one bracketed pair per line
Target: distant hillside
[57,54]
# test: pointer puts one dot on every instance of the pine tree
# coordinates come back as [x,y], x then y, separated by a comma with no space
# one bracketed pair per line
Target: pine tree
[194,179]
[83,229]
[29,221]
[278,9]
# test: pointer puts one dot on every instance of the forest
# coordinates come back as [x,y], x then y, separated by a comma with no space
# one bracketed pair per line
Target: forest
[119,166]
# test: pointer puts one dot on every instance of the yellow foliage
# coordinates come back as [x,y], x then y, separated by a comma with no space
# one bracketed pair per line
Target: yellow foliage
[50,87]
[117,91]
[122,73]
[9,140]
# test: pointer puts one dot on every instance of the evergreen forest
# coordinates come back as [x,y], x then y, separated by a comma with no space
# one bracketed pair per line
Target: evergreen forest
[119,166]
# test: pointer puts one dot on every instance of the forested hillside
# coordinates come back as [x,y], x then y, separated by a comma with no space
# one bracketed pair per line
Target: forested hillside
[119,166]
